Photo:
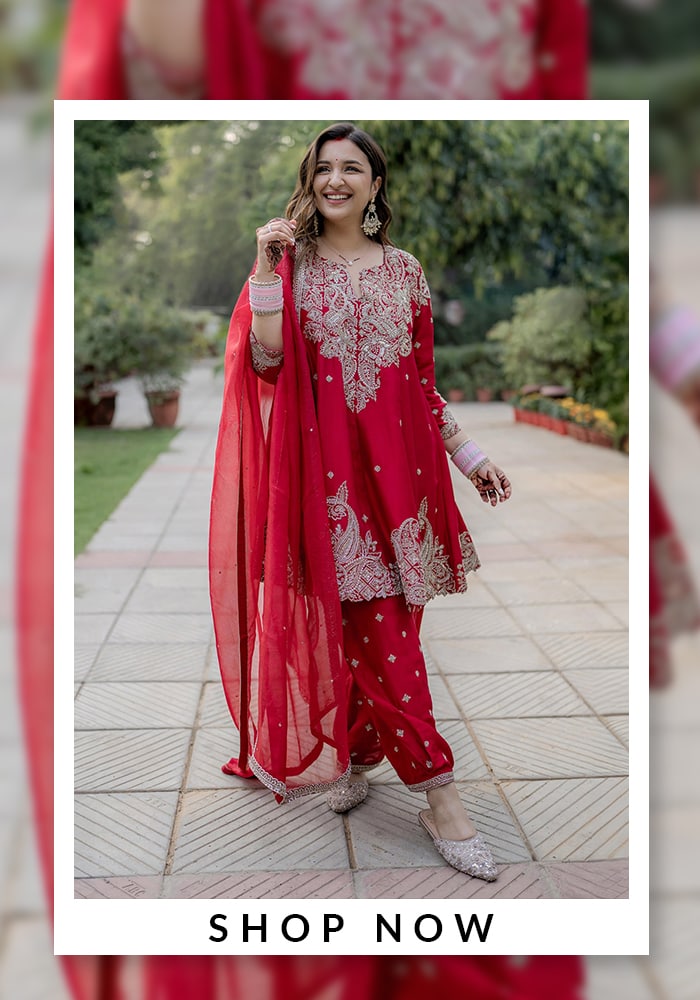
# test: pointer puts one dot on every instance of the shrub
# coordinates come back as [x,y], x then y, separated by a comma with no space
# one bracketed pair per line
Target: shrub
[548,340]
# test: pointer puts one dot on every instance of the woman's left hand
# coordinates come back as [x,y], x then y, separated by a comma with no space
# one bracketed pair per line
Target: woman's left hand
[492,483]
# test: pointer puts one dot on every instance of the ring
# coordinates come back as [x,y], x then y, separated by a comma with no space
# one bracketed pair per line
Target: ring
[269,228]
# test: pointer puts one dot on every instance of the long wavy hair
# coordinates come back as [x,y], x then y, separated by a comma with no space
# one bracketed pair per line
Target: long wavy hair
[302,205]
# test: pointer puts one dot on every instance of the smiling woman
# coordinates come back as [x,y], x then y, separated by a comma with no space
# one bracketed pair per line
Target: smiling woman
[332,449]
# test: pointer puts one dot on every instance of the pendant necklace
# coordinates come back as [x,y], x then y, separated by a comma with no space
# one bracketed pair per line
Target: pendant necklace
[348,260]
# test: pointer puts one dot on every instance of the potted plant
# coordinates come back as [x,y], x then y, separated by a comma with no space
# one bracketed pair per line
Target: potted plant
[165,346]
[162,392]
[103,353]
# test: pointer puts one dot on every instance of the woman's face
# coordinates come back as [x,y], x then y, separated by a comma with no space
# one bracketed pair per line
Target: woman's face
[343,184]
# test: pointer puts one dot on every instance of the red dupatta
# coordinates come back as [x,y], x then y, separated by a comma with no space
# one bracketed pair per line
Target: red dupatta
[279,639]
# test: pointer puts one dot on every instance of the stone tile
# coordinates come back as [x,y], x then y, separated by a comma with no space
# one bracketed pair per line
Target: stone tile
[181,560]
[244,831]
[213,746]
[588,548]
[444,706]
[617,976]
[118,540]
[521,881]
[534,591]
[83,658]
[506,653]
[565,618]
[171,542]
[27,895]
[103,591]
[675,962]
[477,596]
[117,761]
[190,600]
[137,661]
[606,690]
[214,710]
[110,560]
[620,726]
[385,830]
[166,628]
[590,880]
[584,649]
[92,629]
[122,834]
[584,819]
[515,695]
[515,550]
[674,836]
[174,578]
[502,571]
[262,885]
[620,610]
[136,706]
[28,969]
[468,623]
[129,887]
[559,748]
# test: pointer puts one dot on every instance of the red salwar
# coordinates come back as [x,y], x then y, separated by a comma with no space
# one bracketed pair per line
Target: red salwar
[391,711]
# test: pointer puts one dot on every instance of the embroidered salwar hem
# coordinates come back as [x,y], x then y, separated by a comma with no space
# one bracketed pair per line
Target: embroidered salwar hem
[360,768]
[446,778]
[285,794]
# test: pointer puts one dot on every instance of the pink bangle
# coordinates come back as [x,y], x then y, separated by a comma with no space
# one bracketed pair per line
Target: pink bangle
[266,297]
[468,457]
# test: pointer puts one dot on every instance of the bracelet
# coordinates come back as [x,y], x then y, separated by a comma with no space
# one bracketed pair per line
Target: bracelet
[266,297]
[468,457]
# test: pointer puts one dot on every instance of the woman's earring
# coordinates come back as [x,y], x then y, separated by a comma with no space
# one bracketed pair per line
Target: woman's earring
[371,224]
[315,225]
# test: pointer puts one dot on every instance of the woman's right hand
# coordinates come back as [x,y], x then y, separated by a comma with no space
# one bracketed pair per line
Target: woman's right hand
[272,238]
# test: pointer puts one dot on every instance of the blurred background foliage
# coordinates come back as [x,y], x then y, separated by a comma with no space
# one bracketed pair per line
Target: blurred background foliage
[652,52]
[167,212]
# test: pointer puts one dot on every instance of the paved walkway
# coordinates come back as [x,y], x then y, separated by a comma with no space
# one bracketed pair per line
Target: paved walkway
[528,674]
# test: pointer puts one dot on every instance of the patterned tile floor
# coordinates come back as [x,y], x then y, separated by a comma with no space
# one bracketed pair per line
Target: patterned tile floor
[558,571]
[526,670]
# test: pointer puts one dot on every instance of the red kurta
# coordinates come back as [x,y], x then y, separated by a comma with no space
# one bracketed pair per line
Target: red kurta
[395,526]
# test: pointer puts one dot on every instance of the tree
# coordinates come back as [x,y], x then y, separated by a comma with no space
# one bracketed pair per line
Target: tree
[103,150]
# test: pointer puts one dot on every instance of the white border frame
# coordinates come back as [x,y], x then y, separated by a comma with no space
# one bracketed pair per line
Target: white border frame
[523,927]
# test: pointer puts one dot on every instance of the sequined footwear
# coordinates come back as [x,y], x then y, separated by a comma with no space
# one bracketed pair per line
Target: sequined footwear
[471,856]
[347,795]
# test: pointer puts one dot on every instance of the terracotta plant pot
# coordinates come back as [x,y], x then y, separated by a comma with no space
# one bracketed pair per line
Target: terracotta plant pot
[484,395]
[455,395]
[163,407]
[95,413]
[559,425]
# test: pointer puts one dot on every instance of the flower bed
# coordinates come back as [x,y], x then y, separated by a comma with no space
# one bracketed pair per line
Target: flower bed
[567,415]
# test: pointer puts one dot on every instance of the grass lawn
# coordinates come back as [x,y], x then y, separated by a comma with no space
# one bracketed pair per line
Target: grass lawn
[107,464]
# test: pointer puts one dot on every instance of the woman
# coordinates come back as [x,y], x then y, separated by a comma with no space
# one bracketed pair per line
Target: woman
[331,416]
[312,49]
[673,603]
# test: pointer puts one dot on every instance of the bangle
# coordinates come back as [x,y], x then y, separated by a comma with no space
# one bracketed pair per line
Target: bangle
[468,457]
[266,297]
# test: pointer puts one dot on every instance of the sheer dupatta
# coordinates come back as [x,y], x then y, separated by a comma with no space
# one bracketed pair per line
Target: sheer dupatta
[278,628]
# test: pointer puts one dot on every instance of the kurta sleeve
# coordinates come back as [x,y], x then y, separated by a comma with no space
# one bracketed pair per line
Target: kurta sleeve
[423,348]
[267,363]
[563,49]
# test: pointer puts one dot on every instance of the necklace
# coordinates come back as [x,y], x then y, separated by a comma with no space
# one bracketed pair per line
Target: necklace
[348,260]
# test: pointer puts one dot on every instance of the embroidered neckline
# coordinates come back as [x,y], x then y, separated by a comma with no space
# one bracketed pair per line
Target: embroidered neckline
[363,270]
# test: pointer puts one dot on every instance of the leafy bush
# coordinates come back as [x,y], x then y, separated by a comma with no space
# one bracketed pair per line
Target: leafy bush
[467,367]
[548,340]
[118,335]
